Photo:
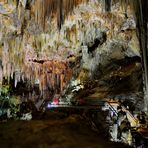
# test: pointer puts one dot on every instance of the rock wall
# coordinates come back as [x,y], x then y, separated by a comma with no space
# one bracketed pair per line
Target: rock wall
[95,53]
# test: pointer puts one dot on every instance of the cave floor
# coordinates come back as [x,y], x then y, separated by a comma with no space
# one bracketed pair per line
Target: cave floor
[54,130]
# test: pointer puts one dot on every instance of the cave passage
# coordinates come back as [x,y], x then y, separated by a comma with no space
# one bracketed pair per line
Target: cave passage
[73,73]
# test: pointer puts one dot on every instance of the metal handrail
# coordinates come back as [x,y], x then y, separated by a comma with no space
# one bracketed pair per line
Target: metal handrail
[126,111]
[112,108]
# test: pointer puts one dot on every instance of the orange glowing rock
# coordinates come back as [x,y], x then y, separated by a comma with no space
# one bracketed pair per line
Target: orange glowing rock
[51,74]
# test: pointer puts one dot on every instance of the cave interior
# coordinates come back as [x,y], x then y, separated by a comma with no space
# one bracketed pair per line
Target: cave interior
[80,66]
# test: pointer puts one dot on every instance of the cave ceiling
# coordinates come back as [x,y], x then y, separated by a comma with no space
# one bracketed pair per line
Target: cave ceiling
[45,41]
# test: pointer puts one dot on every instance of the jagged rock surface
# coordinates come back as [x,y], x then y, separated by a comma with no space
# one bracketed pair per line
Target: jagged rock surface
[99,51]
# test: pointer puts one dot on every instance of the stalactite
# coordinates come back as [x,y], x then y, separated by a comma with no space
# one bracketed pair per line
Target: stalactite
[48,73]
[1,75]
[108,5]
[59,8]
[60,14]
[17,3]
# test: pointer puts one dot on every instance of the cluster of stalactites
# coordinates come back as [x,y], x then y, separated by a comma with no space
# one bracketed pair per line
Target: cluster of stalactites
[52,75]
[60,9]
[45,9]
[11,58]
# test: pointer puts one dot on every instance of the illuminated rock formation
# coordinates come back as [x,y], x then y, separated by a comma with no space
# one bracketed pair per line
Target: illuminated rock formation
[54,42]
